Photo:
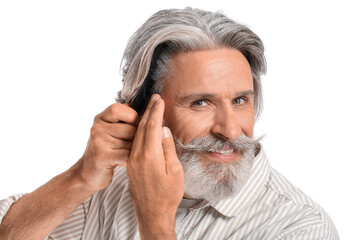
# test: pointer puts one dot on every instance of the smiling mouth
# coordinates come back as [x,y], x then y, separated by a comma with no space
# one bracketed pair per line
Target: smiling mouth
[224,152]
[223,155]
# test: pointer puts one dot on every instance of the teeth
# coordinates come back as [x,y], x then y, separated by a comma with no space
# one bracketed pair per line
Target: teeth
[223,152]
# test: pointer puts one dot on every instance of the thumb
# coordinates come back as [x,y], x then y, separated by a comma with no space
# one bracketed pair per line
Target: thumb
[169,147]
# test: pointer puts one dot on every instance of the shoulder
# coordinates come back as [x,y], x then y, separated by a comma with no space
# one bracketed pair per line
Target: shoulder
[301,216]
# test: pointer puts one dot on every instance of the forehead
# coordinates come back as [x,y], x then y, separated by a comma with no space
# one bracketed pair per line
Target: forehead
[212,70]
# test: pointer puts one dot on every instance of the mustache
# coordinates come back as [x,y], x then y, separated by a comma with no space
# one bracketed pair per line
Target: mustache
[211,144]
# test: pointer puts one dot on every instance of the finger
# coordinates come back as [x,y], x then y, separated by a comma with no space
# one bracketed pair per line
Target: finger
[171,158]
[121,144]
[113,132]
[121,131]
[140,137]
[114,143]
[154,126]
[118,112]
[153,100]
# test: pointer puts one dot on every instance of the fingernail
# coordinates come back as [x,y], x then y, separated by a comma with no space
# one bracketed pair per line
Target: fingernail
[166,132]
[154,97]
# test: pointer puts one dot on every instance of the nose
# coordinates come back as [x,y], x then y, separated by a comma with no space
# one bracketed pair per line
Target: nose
[226,125]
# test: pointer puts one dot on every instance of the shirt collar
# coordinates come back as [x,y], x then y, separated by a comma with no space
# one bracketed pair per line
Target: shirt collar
[258,178]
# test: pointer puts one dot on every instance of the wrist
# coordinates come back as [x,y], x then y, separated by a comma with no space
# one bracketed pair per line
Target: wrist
[157,228]
[158,233]
[75,179]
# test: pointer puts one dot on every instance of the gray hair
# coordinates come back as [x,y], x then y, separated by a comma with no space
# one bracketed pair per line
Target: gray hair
[147,57]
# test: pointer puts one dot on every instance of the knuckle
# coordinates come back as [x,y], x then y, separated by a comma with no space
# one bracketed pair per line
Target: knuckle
[151,124]
[95,130]
[168,145]
[147,155]
[142,124]
[133,115]
[177,168]
[114,108]
[97,117]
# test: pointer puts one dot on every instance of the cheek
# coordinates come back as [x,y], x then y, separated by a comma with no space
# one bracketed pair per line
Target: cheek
[246,121]
[187,126]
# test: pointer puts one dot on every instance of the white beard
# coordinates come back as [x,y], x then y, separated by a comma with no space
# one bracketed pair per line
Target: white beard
[211,180]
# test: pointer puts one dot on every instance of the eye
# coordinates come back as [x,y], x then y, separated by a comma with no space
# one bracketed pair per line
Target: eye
[240,100]
[199,103]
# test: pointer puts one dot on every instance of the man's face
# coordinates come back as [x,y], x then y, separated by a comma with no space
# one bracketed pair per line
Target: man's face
[209,107]
[210,92]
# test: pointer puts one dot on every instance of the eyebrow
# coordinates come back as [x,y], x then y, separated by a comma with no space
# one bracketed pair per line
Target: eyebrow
[195,96]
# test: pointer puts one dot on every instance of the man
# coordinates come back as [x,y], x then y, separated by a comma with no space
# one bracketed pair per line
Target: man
[176,157]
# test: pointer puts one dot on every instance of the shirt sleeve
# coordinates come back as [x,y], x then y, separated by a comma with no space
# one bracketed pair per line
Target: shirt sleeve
[6,203]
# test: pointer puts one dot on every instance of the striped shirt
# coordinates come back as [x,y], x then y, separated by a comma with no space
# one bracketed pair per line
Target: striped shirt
[268,207]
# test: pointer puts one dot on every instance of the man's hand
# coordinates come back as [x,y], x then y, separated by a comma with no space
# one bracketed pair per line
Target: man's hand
[155,174]
[109,146]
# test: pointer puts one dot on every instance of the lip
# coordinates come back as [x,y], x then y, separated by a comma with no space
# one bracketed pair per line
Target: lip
[223,158]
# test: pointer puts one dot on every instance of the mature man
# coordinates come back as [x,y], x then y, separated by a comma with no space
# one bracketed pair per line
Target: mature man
[183,127]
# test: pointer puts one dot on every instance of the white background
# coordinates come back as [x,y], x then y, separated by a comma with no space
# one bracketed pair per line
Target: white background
[59,67]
